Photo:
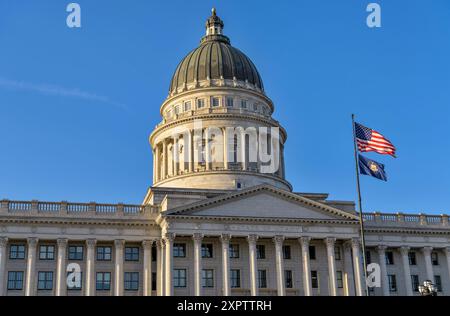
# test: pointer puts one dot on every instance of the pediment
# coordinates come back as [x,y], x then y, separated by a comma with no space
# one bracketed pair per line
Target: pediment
[263,202]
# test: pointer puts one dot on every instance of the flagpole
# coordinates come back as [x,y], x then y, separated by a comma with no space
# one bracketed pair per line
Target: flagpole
[361,222]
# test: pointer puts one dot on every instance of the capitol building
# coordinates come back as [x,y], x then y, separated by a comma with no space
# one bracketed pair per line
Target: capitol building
[220,217]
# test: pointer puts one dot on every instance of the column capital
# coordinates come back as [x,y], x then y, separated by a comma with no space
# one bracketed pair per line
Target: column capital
[447,250]
[355,242]
[225,238]
[330,241]
[91,243]
[3,241]
[278,239]
[119,243]
[381,248]
[404,250]
[169,237]
[62,242]
[197,237]
[427,250]
[32,242]
[252,239]
[304,241]
[147,244]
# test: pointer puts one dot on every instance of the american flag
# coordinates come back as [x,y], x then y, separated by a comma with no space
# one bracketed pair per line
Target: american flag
[370,140]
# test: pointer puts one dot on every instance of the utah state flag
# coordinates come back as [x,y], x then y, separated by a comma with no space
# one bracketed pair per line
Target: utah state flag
[371,168]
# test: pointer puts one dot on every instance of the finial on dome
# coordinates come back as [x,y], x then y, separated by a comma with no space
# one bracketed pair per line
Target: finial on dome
[213,10]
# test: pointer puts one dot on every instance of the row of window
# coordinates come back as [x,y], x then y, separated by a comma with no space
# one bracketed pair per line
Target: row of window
[47,252]
[103,281]
[412,258]
[392,280]
[179,251]
[180,278]
[228,102]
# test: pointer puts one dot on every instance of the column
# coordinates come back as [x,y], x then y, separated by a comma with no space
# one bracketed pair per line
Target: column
[253,264]
[169,264]
[90,267]
[428,265]
[176,154]
[118,267]
[304,243]
[197,264]
[357,267]
[164,160]
[225,238]
[279,264]
[31,267]
[384,277]
[160,251]
[61,286]
[447,256]
[243,150]
[155,164]
[191,152]
[207,150]
[406,269]
[330,242]
[349,283]
[225,148]
[3,247]
[147,275]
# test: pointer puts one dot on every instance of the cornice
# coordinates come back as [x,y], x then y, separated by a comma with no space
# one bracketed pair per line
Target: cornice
[409,231]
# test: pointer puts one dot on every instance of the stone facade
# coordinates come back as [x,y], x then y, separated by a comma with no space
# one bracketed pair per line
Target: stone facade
[214,223]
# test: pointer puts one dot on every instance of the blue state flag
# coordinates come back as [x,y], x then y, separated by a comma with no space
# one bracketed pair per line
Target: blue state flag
[371,168]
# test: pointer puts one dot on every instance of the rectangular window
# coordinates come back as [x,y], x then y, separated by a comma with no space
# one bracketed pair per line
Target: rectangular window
[207,250]
[179,250]
[262,279]
[260,252]
[392,283]
[287,252]
[339,279]
[288,279]
[104,253]
[75,252]
[434,258]
[389,257]
[200,103]
[255,107]
[46,252]
[154,254]
[438,282]
[15,280]
[154,279]
[215,102]
[207,278]
[312,252]
[187,106]
[415,282]
[412,258]
[179,278]
[45,281]
[234,251]
[131,281]
[17,252]
[103,281]
[131,253]
[314,280]
[243,104]
[337,253]
[177,109]
[230,102]
[235,278]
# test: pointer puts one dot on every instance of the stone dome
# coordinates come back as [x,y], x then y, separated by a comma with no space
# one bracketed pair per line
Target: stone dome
[216,62]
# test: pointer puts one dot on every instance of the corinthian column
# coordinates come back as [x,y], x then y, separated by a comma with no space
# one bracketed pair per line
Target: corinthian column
[31,267]
[304,243]
[428,265]
[357,267]
[253,264]
[3,245]
[169,263]
[90,264]
[147,245]
[226,264]
[61,287]
[331,265]
[447,256]
[384,277]
[118,267]
[161,250]
[406,270]
[279,264]
[197,263]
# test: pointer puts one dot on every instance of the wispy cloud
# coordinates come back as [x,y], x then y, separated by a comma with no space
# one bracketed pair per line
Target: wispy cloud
[54,90]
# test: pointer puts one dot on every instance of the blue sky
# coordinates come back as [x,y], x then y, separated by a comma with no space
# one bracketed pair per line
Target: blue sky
[77,105]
